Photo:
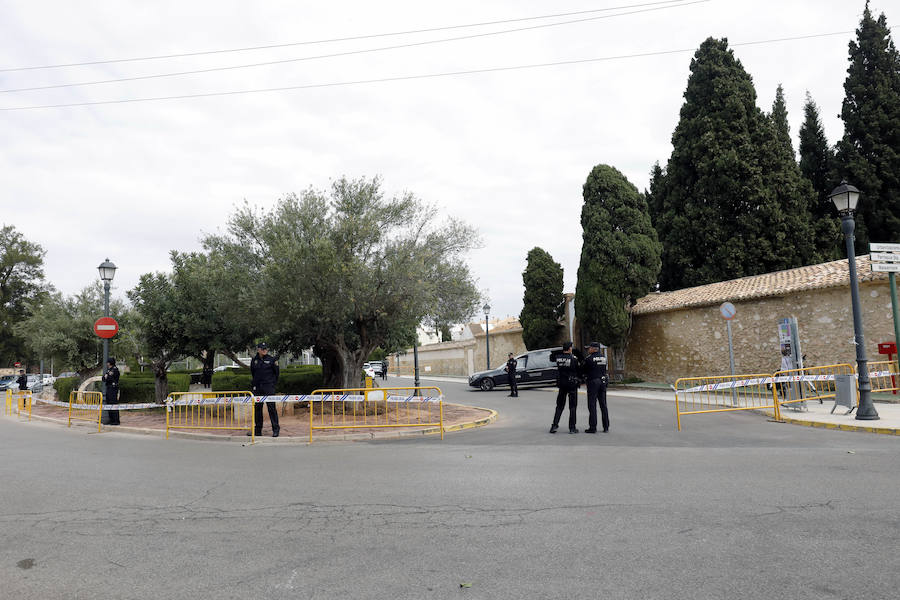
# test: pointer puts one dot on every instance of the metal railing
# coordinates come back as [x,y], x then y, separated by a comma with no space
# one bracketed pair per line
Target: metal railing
[884,376]
[85,406]
[371,408]
[723,393]
[795,387]
[18,401]
[210,410]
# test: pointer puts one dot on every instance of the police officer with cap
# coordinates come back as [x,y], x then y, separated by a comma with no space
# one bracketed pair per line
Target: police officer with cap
[511,365]
[567,380]
[264,371]
[596,378]
[111,377]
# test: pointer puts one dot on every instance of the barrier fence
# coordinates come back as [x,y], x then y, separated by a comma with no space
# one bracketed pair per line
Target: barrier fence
[885,376]
[85,406]
[724,393]
[210,410]
[795,386]
[365,408]
[18,401]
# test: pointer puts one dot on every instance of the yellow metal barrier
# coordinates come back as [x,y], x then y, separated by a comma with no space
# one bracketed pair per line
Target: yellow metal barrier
[210,410]
[725,393]
[18,402]
[85,406]
[809,383]
[885,376]
[365,408]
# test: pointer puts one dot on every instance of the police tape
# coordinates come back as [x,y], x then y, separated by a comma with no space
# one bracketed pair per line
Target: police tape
[726,385]
[225,400]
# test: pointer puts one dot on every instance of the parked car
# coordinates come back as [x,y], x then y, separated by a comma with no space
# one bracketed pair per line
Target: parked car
[67,374]
[535,366]
[221,368]
[7,381]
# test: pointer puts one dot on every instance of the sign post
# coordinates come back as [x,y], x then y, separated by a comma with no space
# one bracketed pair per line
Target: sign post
[728,311]
[885,258]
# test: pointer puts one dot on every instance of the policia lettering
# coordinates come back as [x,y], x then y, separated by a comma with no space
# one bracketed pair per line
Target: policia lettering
[264,370]
[596,378]
[567,380]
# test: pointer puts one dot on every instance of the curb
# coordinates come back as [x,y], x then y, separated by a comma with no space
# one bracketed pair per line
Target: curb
[841,426]
[352,437]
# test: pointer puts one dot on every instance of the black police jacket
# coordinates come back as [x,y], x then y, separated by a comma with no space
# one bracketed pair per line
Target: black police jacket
[568,376]
[111,377]
[511,365]
[594,366]
[23,383]
[264,370]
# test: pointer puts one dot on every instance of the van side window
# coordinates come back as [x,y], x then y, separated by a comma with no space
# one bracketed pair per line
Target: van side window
[539,360]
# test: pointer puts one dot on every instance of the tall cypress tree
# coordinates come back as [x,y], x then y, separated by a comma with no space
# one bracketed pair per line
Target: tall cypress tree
[818,167]
[620,255]
[868,156]
[779,118]
[542,304]
[734,204]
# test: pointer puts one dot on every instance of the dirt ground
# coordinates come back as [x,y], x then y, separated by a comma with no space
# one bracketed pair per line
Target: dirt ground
[293,420]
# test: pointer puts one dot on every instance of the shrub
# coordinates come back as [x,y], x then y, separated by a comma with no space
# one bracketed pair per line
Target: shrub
[143,389]
[64,387]
[296,379]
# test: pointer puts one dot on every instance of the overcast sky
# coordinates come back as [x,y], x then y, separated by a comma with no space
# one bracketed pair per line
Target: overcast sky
[508,151]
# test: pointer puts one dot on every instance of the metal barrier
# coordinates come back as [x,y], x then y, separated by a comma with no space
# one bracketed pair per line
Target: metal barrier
[210,410]
[365,408]
[794,387]
[85,406]
[885,376]
[18,401]
[725,393]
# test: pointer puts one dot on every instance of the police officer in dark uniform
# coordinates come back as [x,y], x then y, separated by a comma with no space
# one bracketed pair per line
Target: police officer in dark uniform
[596,378]
[264,371]
[567,379]
[111,377]
[511,373]
[22,380]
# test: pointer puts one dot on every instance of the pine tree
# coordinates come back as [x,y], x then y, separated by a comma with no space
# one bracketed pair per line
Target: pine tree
[868,156]
[817,166]
[620,255]
[734,203]
[542,304]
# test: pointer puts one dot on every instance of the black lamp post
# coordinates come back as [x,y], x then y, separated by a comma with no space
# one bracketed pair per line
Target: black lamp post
[845,197]
[107,272]
[487,335]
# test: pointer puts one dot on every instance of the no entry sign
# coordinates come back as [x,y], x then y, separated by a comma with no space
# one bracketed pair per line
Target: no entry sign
[106,327]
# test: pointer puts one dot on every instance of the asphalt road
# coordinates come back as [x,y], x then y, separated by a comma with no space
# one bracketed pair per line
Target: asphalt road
[731,507]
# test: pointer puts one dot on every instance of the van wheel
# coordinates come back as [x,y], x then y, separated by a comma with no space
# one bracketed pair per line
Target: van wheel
[487,384]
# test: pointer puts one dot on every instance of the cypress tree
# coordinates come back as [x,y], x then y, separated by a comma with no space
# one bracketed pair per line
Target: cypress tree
[734,203]
[542,304]
[779,119]
[868,156]
[818,167]
[620,255]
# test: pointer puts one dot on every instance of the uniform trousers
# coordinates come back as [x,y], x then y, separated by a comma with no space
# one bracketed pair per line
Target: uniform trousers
[513,386]
[258,414]
[112,397]
[596,390]
[561,404]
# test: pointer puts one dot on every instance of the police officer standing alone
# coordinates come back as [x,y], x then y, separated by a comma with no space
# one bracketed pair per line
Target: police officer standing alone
[264,371]
[511,373]
[22,380]
[595,375]
[111,378]
[567,380]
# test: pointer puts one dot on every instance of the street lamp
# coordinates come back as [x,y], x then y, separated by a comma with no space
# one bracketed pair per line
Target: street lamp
[107,272]
[487,335]
[845,197]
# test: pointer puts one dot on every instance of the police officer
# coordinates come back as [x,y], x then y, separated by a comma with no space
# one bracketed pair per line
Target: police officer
[596,378]
[22,380]
[264,371]
[567,380]
[511,373]
[111,377]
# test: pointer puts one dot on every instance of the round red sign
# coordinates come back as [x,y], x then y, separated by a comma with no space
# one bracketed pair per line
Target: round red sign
[106,327]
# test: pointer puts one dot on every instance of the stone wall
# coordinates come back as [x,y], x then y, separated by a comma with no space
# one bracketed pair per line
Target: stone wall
[460,359]
[694,342]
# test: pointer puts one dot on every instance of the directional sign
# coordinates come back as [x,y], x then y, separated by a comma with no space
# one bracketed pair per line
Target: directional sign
[886,267]
[884,247]
[728,310]
[884,257]
[106,327]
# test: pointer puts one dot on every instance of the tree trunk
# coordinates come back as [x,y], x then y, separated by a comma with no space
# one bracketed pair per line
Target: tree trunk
[161,380]
[230,354]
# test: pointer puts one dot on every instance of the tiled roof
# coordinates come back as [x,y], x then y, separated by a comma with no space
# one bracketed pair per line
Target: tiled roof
[780,283]
[498,325]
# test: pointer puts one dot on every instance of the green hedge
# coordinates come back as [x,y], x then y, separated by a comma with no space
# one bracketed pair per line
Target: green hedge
[141,388]
[64,387]
[296,379]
